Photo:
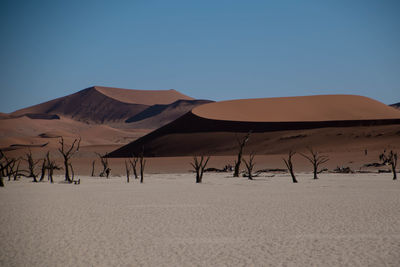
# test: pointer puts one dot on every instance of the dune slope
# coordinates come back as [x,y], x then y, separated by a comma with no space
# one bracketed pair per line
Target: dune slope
[193,133]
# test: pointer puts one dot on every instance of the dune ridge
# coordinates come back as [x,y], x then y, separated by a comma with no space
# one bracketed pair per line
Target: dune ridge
[298,109]
[143,97]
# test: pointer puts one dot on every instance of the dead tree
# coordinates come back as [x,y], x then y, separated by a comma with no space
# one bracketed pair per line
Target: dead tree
[16,172]
[104,161]
[249,166]
[133,163]
[241,142]
[51,166]
[315,159]
[127,172]
[4,164]
[31,166]
[67,154]
[93,163]
[289,165]
[142,163]
[10,170]
[390,159]
[43,170]
[72,172]
[199,167]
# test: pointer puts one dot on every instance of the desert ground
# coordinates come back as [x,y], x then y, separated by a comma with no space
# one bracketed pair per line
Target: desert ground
[337,220]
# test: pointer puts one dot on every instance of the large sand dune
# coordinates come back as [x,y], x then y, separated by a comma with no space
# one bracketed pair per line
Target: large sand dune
[212,128]
[103,104]
[339,220]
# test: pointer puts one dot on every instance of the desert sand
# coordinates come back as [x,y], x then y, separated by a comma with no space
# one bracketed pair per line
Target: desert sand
[338,220]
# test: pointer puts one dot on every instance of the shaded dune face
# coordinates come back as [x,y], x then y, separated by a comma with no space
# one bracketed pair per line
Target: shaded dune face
[188,134]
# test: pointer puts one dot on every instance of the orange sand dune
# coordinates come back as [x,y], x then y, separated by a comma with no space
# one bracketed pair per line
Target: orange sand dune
[302,108]
[211,128]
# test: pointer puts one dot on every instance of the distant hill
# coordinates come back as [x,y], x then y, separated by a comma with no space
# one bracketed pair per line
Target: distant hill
[105,105]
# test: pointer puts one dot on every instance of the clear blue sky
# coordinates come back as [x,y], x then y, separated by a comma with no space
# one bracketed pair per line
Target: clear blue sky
[206,49]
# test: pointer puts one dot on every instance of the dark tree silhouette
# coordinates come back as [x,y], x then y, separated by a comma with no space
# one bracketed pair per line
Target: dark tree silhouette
[199,167]
[31,166]
[4,164]
[316,160]
[241,142]
[16,172]
[133,163]
[10,170]
[51,166]
[127,172]
[249,166]
[43,170]
[104,162]
[289,165]
[390,159]
[93,163]
[142,163]
[67,154]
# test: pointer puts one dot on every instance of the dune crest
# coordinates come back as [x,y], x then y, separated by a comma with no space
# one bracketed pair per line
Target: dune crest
[296,109]
[143,97]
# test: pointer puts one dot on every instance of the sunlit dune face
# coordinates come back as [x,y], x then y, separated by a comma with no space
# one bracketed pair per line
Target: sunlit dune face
[144,97]
[304,108]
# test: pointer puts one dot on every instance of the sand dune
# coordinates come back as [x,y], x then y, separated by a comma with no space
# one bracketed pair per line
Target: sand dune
[97,114]
[30,132]
[114,106]
[212,128]
[298,109]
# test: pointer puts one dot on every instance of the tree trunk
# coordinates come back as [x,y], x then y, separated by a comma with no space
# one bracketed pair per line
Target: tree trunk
[293,176]
[315,172]
[394,172]
[51,175]
[72,172]
[1,181]
[198,179]
[237,164]
[93,163]
[66,166]
[43,171]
